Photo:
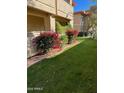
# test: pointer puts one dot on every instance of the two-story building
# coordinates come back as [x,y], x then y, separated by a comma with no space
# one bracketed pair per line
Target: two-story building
[42,15]
[80,18]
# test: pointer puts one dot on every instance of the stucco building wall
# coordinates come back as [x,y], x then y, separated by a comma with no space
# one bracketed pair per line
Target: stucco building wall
[42,15]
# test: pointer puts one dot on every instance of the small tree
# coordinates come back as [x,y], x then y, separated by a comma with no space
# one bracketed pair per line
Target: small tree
[90,22]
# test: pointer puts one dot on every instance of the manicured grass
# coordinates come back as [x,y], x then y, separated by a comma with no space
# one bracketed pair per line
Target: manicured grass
[74,71]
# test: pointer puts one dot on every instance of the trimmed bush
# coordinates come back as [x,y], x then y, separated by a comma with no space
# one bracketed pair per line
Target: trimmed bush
[45,41]
[71,34]
[57,41]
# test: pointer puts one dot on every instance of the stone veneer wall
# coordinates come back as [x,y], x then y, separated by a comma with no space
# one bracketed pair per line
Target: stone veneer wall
[30,49]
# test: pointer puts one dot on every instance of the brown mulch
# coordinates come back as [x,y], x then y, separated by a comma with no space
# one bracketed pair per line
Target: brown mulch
[50,54]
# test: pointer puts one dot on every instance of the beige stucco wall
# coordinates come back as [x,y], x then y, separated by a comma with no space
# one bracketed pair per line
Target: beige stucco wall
[52,23]
[42,15]
[72,22]
[40,18]
[35,23]
[64,9]
[55,7]
[44,5]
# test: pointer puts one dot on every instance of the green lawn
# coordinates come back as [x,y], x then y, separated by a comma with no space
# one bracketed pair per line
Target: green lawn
[74,71]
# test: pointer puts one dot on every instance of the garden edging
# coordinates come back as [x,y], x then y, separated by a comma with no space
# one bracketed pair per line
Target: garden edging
[51,54]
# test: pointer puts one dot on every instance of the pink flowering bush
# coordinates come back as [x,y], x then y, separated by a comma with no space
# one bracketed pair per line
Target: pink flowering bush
[45,41]
[71,34]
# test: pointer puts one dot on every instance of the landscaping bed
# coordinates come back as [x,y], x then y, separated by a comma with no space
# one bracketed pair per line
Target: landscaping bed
[51,53]
[48,44]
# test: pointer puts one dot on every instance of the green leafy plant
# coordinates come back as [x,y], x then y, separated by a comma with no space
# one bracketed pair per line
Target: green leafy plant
[69,26]
[58,27]
[64,40]
[62,28]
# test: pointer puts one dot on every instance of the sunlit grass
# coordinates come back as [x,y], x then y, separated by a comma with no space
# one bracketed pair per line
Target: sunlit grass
[73,71]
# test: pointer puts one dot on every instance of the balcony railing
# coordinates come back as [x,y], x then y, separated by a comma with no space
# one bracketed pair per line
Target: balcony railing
[64,9]
[57,7]
[44,5]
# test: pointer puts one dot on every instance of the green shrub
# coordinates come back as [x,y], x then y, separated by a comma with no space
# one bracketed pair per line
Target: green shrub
[59,27]
[64,39]
[71,34]
[69,26]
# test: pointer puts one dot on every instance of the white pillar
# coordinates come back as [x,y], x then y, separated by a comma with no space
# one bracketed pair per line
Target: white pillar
[52,23]
[71,22]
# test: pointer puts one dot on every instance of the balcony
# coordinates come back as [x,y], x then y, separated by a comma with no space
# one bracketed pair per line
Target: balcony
[64,9]
[57,7]
[44,5]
